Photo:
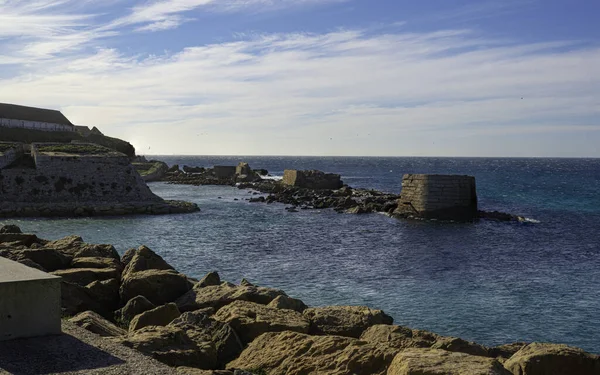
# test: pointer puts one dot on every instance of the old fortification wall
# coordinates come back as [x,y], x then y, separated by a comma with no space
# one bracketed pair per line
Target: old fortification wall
[445,197]
[312,179]
[65,178]
[9,156]
[37,125]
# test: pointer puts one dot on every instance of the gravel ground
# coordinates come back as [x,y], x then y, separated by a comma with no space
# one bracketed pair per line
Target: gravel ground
[76,351]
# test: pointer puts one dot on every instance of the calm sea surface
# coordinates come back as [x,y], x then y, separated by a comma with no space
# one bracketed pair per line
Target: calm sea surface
[488,282]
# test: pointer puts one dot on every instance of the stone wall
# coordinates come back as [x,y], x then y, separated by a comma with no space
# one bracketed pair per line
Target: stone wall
[444,197]
[37,125]
[8,157]
[312,179]
[67,178]
[224,171]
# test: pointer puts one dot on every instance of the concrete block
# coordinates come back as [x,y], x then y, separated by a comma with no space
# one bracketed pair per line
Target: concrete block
[29,302]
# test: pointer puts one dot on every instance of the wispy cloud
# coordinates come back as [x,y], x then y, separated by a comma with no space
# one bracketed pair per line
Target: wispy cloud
[351,91]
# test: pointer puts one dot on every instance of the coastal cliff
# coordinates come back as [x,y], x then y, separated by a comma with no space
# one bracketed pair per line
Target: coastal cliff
[210,326]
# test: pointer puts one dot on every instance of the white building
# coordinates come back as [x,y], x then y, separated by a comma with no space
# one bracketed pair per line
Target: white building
[17,116]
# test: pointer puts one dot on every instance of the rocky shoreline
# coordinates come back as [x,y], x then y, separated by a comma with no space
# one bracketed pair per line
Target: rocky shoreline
[18,209]
[210,326]
[343,199]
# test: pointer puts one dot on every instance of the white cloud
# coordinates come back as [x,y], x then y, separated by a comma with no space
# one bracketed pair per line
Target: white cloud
[345,92]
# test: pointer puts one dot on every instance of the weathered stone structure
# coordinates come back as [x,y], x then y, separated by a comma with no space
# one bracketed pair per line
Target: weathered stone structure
[443,197]
[81,179]
[312,179]
[17,116]
[224,171]
[9,152]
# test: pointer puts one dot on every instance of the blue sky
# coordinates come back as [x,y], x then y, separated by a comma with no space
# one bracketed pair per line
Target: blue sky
[314,77]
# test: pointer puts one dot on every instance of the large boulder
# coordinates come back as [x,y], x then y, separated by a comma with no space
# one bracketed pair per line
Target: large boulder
[158,286]
[251,320]
[106,293]
[285,302]
[74,247]
[552,359]
[97,324]
[401,338]
[283,353]
[210,279]
[76,298]
[350,321]
[171,346]
[419,361]
[133,307]
[85,276]
[145,259]
[506,350]
[201,328]
[18,239]
[160,316]
[398,337]
[10,228]
[217,296]
[96,262]
[48,259]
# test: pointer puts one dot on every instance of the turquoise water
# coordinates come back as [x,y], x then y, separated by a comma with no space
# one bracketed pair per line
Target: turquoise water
[488,282]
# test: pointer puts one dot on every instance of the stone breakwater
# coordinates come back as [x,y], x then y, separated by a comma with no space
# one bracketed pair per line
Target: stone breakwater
[423,197]
[76,180]
[211,326]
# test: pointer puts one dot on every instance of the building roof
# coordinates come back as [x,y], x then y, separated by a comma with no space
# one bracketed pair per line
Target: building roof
[19,112]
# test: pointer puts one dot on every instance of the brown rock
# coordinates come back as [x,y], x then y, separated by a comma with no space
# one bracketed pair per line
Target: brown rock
[285,302]
[506,350]
[48,259]
[251,320]
[454,344]
[398,337]
[145,259]
[96,262]
[218,296]
[211,279]
[18,239]
[201,328]
[85,276]
[133,307]
[159,316]
[158,286]
[171,346]
[97,324]
[285,353]
[106,293]
[350,321]
[76,298]
[126,258]
[552,359]
[419,361]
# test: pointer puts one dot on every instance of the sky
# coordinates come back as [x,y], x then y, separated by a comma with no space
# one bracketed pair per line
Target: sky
[314,77]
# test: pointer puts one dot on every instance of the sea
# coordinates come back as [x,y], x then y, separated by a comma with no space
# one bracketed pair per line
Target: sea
[488,282]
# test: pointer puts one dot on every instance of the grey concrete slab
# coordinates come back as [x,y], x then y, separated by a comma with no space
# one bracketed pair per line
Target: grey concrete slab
[29,302]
